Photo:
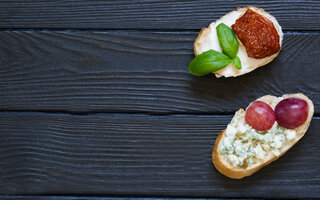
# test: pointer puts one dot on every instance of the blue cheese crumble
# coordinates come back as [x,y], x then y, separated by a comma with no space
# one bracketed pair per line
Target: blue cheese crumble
[243,144]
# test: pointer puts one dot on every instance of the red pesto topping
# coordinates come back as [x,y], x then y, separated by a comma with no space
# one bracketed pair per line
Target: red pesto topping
[257,34]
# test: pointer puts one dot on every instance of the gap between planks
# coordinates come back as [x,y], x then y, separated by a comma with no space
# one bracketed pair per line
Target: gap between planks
[109,197]
[53,112]
[131,30]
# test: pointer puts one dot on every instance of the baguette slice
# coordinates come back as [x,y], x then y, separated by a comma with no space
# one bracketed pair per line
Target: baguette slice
[208,39]
[223,166]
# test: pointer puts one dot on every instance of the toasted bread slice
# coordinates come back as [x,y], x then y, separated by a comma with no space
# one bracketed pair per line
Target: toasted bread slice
[208,39]
[221,162]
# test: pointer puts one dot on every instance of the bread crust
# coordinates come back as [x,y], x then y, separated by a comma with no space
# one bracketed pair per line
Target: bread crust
[204,38]
[237,172]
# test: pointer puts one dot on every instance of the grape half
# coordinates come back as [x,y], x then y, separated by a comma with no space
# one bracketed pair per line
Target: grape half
[291,112]
[260,116]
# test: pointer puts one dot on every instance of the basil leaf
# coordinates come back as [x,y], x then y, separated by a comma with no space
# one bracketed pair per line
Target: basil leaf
[228,40]
[208,62]
[236,62]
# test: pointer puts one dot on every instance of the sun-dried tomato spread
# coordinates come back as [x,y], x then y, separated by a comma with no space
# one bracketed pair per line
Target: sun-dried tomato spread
[257,34]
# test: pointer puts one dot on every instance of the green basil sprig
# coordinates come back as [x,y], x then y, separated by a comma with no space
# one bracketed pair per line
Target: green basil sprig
[211,61]
[236,62]
[228,40]
[208,62]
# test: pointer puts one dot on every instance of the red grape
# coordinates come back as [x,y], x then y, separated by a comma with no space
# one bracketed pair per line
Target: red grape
[291,112]
[260,116]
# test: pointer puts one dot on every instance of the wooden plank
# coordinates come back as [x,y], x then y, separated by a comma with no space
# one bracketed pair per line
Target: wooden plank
[140,154]
[134,71]
[148,14]
[69,197]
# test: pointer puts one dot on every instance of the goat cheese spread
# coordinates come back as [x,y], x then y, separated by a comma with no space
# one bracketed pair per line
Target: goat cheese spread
[243,145]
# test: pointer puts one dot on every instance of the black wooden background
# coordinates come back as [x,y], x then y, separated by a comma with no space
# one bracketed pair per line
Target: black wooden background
[96,101]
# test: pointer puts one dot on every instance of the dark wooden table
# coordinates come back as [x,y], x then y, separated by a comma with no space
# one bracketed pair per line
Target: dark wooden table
[96,101]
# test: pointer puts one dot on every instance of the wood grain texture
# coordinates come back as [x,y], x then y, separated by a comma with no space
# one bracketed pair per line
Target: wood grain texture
[134,71]
[70,197]
[139,154]
[148,14]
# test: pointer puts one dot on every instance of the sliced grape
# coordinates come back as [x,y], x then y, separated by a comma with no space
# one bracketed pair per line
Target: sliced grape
[260,116]
[291,112]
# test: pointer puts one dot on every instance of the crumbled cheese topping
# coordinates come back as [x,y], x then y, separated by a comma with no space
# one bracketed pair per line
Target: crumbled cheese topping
[244,145]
